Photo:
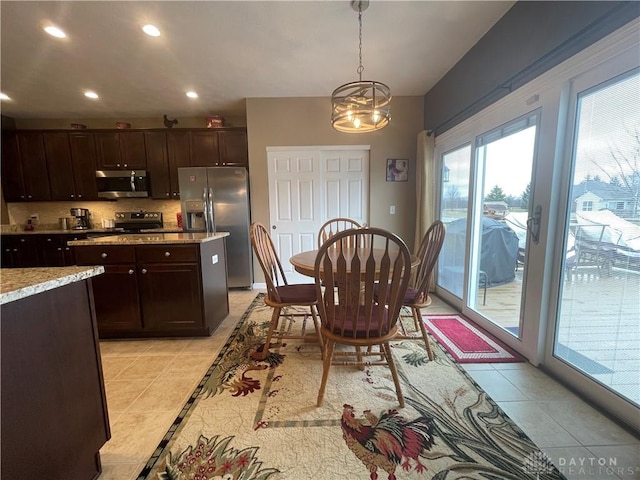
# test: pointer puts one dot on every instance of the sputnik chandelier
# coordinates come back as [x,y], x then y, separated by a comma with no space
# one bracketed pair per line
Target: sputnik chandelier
[362,106]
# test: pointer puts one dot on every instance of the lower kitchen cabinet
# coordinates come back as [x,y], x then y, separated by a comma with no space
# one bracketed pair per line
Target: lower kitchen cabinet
[38,250]
[158,290]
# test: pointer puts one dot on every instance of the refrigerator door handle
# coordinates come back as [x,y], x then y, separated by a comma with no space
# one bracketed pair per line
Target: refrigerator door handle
[212,226]
[205,208]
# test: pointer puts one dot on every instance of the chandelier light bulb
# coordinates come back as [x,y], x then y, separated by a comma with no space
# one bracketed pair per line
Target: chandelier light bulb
[376,116]
[356,122]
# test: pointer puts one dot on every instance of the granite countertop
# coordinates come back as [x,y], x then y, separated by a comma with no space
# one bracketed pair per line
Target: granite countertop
[93,231]
[150,239]
[17,283]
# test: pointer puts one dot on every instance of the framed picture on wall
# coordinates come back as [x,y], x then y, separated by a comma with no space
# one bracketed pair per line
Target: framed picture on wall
[397,170]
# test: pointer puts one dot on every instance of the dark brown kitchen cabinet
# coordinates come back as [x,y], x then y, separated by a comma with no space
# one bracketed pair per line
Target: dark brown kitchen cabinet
[158,164]
[20,251]
[120,150]
[233,149]
[71,160]
[179,290]
[204,148]
[24,167]
[58,157]
[12,183]
[83,159]
[179,153]
[38,250]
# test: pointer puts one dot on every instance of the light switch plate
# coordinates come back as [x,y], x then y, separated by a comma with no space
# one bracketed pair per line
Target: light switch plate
[214,259]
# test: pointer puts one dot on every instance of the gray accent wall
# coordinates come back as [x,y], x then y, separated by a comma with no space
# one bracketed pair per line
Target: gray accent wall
[528,40]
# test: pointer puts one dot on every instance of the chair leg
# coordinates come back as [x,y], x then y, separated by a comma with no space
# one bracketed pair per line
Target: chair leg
[417,317]
[394,372]
[326,365]
[316,324]
[275,318]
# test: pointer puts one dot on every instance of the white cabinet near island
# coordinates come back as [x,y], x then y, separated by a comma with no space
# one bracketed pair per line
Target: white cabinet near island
[158,285]
[54,406]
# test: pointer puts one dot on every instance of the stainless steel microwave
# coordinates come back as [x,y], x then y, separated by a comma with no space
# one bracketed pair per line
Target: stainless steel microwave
[122,183]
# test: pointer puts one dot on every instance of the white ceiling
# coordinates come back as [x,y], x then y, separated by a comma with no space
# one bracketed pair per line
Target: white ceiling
[225,51]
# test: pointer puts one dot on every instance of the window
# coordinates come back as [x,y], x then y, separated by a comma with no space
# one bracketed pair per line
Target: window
[587,206]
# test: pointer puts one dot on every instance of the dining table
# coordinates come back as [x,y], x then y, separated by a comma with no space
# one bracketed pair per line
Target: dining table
[304,262]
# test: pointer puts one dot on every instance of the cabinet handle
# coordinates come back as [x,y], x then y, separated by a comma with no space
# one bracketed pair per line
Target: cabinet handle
[49,239]
[168,194]
[67,249]
[15,249]
[125,165]
[73,196]
[131,271]
[28,196]
[79,196]
[167,254]
[59,249]
[144,270]
[103,255]
[22,240]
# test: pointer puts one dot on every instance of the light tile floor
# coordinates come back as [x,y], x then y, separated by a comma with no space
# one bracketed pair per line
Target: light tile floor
[148,381]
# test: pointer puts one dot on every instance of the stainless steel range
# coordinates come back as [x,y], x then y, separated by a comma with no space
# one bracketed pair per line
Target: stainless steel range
[133,222]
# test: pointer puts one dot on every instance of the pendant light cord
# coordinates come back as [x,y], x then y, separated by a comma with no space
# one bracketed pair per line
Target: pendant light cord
[360,66]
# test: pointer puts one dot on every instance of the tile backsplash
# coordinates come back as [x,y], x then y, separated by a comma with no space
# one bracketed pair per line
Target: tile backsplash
[50,212]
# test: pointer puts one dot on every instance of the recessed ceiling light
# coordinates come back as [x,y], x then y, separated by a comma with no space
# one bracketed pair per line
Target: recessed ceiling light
[90,94]
[55,31]
[192,95]
[4,96]
[151,30]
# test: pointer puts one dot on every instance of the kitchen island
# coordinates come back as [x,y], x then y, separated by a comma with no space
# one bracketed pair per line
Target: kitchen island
[54,413]
[158,284]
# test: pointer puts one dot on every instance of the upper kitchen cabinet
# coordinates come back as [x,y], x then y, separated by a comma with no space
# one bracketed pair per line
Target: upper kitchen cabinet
[218,148]
[179,153]
[24,167]
[120,150]
[83,160]
[71,159]
[204,148]
[232,146]
[158,164]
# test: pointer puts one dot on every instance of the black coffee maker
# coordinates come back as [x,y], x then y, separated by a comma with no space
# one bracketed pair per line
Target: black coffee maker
[82,218]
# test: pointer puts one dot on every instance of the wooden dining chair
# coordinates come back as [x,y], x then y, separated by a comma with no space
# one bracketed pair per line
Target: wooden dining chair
[417,295]
[349,313]
[281,295]
[333,226]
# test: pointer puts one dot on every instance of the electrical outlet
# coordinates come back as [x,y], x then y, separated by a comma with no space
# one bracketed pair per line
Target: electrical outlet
[392,209]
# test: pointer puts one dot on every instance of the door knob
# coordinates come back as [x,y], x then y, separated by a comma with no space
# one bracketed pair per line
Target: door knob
[273,227]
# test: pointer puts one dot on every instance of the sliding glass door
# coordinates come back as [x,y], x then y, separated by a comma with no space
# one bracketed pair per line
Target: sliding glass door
[497,207]
[597,330]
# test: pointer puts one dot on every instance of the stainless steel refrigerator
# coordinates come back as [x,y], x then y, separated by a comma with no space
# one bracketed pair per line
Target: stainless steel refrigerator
[216,199]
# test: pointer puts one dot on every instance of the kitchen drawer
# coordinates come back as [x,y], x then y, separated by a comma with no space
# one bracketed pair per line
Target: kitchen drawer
[104,255]
[167,253]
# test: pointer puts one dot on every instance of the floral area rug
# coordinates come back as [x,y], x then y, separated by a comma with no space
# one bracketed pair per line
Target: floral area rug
[258,420]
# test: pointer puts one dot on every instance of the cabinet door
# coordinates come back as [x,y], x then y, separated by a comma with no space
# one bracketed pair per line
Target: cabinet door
[132,150]
[115,295]
[51,251]
[233,148]
[170,296]
[179,150]
[204,149]
[34,166]
[12,183]
[58,153]
[158,164]
[24,251]
[107,150]
[83,160]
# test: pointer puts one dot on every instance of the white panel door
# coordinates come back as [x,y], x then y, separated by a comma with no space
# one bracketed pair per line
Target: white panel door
[295,204]
[346,184]
[308,187]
